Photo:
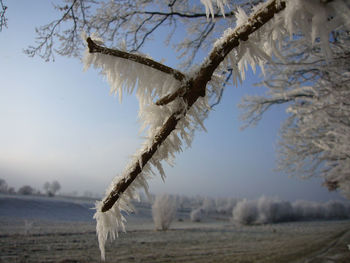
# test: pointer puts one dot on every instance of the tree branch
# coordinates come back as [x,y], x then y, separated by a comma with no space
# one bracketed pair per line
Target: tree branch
[170,97]
[190,15]
[150,32]
[94,48]
[124,183]
[45,39]
[3,19]
[194,88]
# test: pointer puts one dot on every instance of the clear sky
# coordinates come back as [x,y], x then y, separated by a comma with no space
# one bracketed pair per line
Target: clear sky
[60,123]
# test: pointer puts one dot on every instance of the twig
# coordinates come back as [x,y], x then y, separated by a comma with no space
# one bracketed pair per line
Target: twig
[3,19]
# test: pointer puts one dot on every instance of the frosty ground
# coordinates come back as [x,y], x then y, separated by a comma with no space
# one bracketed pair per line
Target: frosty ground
[37,229]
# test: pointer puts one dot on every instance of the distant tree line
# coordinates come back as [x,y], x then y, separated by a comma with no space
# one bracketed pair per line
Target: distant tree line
[268,210]
[51,189]
[5,189]
[265,210]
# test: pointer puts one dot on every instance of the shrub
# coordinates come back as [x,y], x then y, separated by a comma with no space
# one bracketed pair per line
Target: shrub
[163,211]
[245,212]
[197,215]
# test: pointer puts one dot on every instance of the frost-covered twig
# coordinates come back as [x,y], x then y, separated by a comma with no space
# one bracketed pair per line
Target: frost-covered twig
[136,22]
[254,107]
[94,48]
[195,87]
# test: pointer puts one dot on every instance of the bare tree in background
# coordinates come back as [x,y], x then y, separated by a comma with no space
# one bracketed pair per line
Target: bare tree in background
[26,190]
[52,188]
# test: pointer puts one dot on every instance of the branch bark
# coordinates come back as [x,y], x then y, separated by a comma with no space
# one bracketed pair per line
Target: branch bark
[193,88]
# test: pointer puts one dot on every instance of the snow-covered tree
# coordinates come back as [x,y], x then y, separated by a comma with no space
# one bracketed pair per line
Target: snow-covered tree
[137,22]
[225,205]
[209,205]
[314,82]
[3,186]
[271,210]
[174,103]
[163,211]
[197,215]
[245,212]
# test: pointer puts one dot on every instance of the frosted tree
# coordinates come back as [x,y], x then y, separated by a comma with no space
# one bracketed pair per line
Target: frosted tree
[225,205]
[173,104]
[52,188]
[135,23]
[3,186]
[163,211]
[314,82]
[245,212]
[197,214]
[270,210]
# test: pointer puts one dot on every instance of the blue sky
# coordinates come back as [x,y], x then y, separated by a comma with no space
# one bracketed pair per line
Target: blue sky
[60,123]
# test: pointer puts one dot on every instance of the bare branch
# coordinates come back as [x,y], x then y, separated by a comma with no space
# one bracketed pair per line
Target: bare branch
[3,19]
[218,100]
[136,22]
[46,33]
[149,33]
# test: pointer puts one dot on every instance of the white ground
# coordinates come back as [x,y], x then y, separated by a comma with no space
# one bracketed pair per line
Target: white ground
[61,230]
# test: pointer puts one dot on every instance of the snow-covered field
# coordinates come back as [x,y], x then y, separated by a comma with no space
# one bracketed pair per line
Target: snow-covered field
[37,229]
